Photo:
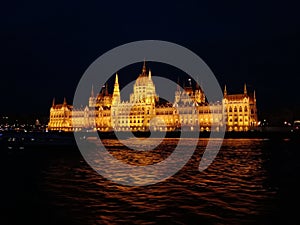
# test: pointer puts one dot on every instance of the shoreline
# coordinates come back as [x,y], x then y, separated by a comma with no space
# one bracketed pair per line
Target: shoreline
[56,135]
[18,141]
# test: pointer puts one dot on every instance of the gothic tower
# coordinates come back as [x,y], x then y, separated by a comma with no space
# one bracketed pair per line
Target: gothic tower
[92,99]
[116,94]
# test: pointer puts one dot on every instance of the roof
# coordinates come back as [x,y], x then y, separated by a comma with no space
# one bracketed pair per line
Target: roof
[59,106]
[236,97]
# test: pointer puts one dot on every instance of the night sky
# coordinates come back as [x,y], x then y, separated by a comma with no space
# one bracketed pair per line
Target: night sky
[47,45]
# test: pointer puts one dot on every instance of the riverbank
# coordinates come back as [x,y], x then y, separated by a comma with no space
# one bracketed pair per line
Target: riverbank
[67,138]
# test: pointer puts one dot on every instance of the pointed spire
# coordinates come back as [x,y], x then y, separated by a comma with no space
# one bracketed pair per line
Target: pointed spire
[190,82]
[149,75]
[116,92]
[103,89]
[65,101]
[117,79]
[245,89]
[178,84]
[254,95]
[197,84]
[53,102]
[92,91]
[225,91]
[144,70]
[106,89]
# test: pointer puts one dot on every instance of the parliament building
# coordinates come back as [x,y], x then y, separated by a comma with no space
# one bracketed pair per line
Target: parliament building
[145,111]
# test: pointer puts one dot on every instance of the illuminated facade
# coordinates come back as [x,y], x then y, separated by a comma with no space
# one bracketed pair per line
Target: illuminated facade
[144,111]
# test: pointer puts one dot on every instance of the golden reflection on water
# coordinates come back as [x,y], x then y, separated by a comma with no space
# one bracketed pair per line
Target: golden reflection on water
[234,189]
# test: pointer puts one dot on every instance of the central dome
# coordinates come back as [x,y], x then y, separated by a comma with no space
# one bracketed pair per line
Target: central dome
[144,88]
[144,79]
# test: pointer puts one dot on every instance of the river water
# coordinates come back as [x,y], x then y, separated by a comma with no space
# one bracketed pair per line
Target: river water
[251,181]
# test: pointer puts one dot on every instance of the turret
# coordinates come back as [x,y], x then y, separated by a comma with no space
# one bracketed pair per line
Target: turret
[92,99]
[92,92]
[178,85]
[106,89]
[245,89]
[177,92]
[197,86]
[53,102]
[190,82]
[65,102]
[225,91]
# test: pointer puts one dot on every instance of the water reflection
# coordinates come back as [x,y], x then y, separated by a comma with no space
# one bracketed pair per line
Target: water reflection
[234,189]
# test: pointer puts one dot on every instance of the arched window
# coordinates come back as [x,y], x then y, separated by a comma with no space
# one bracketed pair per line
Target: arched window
[240,109]
[230,109]
[246,109]
[235,109]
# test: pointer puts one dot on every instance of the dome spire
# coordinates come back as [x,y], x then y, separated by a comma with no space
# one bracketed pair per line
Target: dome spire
[144,70]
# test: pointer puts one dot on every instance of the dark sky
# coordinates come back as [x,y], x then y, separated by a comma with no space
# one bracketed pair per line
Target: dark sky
[45,46]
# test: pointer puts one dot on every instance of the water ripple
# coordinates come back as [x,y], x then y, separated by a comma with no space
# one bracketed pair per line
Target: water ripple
[234,189]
